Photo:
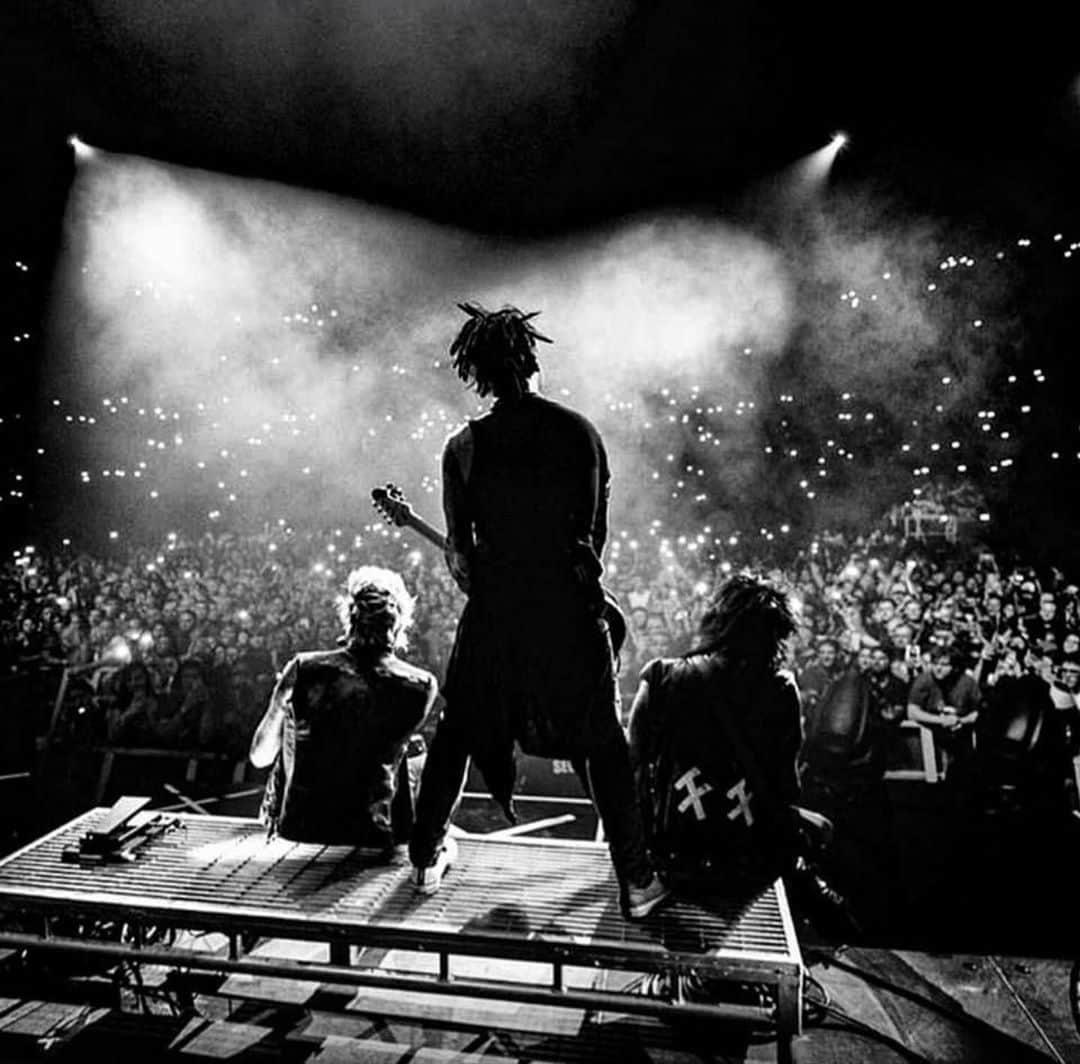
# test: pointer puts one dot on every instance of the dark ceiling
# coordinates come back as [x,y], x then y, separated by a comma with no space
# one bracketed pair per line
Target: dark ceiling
[546,113]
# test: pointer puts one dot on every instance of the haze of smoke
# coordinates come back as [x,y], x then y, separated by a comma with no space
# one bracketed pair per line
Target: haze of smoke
[909,319]
[179,287]
[876,327]
[665,302]
[181,280]
[189,289]
[670,296]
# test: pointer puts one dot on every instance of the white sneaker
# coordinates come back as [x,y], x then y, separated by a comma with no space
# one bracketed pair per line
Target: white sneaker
[428,880]
[641,901]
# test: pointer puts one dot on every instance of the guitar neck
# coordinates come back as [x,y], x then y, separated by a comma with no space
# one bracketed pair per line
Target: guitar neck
[429,532]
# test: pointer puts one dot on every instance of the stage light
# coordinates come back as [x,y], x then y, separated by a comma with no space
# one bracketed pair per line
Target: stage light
[798,187]
[822,160]
[82,150]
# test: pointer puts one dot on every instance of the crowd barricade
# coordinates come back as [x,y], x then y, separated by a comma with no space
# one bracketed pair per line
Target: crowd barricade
[193,760]
[916,750]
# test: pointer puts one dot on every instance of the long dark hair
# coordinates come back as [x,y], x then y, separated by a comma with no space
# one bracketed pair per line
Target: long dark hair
[747,621]
[495,350]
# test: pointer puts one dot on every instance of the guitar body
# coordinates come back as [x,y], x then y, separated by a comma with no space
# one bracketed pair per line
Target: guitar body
[392,506]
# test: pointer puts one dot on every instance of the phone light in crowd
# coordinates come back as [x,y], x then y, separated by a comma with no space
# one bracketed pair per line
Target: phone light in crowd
[118,652]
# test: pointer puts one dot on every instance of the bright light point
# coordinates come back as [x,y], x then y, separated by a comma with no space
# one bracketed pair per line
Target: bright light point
[839,140]
[82,150]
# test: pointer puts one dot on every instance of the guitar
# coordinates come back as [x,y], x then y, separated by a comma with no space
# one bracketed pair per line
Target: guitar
[392,506]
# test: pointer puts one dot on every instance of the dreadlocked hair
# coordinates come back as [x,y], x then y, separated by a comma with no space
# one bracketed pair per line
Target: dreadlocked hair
[747,620]
[495,350]
[376,610]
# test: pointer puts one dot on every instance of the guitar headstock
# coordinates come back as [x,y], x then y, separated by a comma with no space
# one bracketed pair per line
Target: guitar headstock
[392,505]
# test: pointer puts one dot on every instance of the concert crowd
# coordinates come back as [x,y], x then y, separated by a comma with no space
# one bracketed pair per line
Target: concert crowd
[178,647]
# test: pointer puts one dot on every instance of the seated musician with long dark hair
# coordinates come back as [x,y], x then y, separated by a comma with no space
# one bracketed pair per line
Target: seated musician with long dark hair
[714,740]
[338,727]
[714,737]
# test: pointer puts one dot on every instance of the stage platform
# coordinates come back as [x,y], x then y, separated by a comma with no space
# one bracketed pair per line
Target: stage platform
[529,922]
[215,943]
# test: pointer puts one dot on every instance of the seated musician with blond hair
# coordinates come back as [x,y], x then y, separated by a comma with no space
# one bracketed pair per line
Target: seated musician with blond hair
[342,723]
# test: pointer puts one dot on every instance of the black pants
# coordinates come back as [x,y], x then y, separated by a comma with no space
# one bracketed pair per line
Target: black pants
[604,771]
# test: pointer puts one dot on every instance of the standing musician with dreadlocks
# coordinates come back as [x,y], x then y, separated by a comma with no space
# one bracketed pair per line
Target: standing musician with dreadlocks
[338,727]
[525,494]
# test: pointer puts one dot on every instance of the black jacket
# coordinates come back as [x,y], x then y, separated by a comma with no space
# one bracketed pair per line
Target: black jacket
[706,811]
[347,725]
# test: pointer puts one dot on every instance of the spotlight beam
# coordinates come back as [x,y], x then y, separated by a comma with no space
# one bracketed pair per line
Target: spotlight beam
[82,150]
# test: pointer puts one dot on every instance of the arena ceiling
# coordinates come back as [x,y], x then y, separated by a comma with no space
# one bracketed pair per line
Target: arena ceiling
[545,113]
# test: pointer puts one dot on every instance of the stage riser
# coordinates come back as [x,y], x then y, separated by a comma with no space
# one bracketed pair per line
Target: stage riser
[553,902]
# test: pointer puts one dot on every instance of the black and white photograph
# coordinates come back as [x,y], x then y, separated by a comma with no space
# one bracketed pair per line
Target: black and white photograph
[539,531]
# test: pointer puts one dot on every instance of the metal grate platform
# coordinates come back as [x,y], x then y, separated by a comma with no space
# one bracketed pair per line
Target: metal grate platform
[544,900]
